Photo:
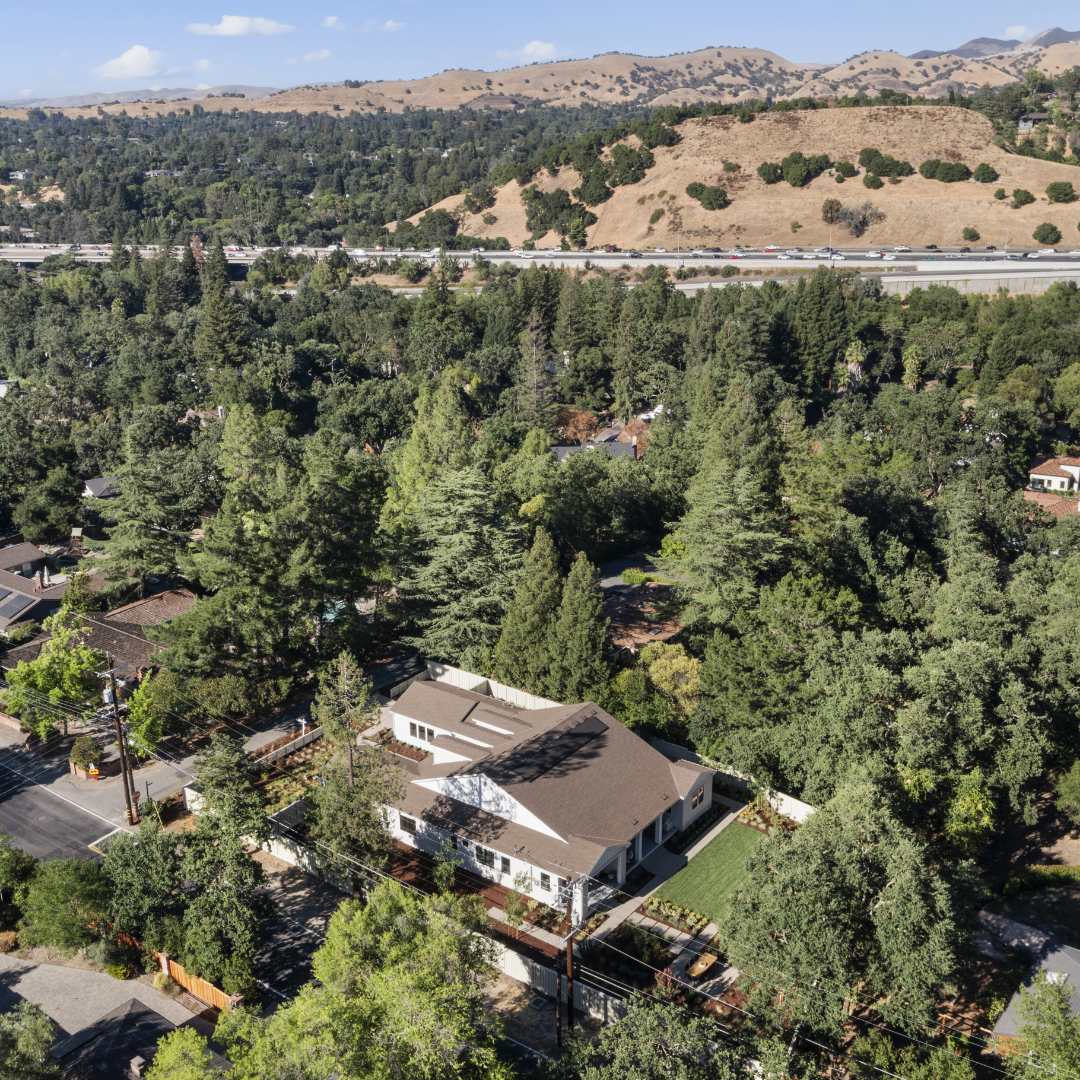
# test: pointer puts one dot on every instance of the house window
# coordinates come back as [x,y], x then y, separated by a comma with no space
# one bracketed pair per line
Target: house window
[545,882]
[562,882]
[412,731]
[461,843]
[485,857]
[699,798]
[505,865]
[430,734]
[408,825]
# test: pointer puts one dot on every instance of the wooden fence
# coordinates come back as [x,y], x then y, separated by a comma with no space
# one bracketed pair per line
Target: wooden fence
[203,990]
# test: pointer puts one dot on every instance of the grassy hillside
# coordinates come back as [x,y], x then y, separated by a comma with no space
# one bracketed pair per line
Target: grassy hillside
[917,211]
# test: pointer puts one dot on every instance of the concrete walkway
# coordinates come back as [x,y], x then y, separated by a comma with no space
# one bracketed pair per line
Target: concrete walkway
[73,997]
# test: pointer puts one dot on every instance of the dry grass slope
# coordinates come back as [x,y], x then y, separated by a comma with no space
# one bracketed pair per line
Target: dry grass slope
[917,211]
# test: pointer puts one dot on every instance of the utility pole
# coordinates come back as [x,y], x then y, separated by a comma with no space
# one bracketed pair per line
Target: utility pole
[128,781]
[558,1004]
[570,963]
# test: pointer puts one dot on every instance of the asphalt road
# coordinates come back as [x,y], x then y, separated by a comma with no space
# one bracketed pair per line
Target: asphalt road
[45,826]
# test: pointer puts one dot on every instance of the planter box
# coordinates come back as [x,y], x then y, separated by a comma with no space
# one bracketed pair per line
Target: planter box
[10,722]
[106,768]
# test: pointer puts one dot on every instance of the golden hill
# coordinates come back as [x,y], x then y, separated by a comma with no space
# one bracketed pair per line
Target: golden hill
[724,74]
[918,211]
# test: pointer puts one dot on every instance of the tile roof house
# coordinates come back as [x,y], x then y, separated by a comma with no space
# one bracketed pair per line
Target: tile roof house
[1053,503]
[1049,473]
[564,793]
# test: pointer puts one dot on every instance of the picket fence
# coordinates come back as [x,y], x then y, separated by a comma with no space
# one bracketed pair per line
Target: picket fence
[784,804]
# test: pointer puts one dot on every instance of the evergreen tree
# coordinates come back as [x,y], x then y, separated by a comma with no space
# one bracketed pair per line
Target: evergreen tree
[220,336]
[523,656]
[466,557]
[534,389]
[821,327]
[117,260]
[580,649]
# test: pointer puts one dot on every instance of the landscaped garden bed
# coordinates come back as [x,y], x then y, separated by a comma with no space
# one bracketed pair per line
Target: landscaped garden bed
[674,916]
[554,922]
[292,777]
[629,954]
[385,738]
[761,816]
[678,843]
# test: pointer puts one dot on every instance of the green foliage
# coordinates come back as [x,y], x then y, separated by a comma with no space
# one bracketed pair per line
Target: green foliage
[1021,197]
[1046,233]
[16,872]
[580,651]
[51,508]
[985,174]
[846,170]
[1067,790]
[26,1035]
[656,215]
[872,181]
[64,903]
[798,170]
[85,752]
[1050,1032]
[1061,191]
[971,234]
[878,164]
[711,198]
[830,211]
[875,1053]
[446,861]
[948,172]
[553,210]
[183,1054]
[1000,194]
[23,632]
[770,172]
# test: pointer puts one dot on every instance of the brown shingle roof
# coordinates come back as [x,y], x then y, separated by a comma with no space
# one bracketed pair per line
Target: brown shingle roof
[19,554]
[154,610]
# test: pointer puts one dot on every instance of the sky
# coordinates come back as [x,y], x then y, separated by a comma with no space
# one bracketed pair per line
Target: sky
[110,46]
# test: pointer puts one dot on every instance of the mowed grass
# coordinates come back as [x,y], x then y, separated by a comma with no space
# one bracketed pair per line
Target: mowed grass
[706,882]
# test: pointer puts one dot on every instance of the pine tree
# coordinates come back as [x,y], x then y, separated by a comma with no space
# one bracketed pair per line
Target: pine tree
[581,652]
[116,256]
[464,570]
[821,328]
[220,337]
[523,655]
[534,390]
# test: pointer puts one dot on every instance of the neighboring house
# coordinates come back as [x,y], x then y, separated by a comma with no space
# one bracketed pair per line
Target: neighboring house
[615,448]
[632,611]
[153,611]
[122,1043]
[101,487]
[6,385]
[565,794]
[22,600]
[636,433]
[1061,964]
[1028,120]
[24,559]
[1053,503]
[1054,473]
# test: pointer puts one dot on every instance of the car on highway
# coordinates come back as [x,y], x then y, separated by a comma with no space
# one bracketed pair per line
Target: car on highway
[873,254]
[901,248]
[770,247]
[1047,251]
[1031,255]
[737,255]
[1013,258]
[963,249]
[989,247]
[1074,252]
[889,258]
[660,251]
[526,255]
[809,256]
[824,249]
[787,257]
[838,257]
[931,247]
[794,251]
[695,255]
[633,254]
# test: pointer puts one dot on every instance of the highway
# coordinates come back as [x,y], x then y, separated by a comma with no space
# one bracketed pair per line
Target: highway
[979,270]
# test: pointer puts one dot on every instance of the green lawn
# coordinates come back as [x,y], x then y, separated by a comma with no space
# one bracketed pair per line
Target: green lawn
[706,882]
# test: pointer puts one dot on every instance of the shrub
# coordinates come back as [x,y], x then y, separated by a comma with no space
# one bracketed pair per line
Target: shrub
[798,170]
[118,971]
[873,182]
[770,172]
[1021,197]
[1047,233]
[729,271]
[166,984]
[24,632]
[731,166]
[633,576]
[985,174]
[85,753]
[7,940]
[948,172]
[970,234]
[857,219]
[711,198]
[883,164]
[656,215]
[1060,191]
[830,211]
[846,169]
[1000,194]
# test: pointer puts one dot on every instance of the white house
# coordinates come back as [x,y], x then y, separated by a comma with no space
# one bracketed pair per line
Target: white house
[1054,474]
[565,794]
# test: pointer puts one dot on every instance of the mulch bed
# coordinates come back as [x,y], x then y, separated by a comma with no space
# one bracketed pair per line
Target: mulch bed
[386,740]
[678,843]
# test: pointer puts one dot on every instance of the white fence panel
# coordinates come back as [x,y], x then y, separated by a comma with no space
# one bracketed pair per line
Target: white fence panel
[785,804]
[290,747]
[468,680]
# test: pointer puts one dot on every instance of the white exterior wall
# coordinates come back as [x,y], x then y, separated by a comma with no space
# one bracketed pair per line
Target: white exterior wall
[430,838]
[689,814]
[480,792]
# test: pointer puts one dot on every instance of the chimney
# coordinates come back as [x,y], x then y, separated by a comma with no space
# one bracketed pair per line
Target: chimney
[138,1066]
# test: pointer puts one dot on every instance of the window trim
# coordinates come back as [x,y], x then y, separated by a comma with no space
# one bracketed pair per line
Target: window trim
[412,730]
[505,865]
[545,882]
[483,854]
[408,824]
[697,798]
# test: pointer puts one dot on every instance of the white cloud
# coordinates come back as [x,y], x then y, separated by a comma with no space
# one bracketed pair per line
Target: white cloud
[201,65]
[374,26]
[318,54]
[331,22]
[25,93]
[240,26]
[534,50]
[1020,32]
[136,63]
[203,86]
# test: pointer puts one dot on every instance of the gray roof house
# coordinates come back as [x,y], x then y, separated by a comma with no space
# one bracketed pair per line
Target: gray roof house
[24,559]
[565,794]
[101,487]
[1061,964]
[615,448]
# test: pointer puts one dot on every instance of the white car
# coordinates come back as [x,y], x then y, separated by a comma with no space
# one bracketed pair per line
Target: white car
[1047,251]
[526,255]
[1032,255]
[809,256]
[889,258]
[794,251]
[820,250]
[660,251]
[1074,252]
[770,247]
[901,248]
[838,258]
[873,254]
[788,257]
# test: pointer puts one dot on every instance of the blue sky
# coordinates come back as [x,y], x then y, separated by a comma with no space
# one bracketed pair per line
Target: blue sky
[107,46]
